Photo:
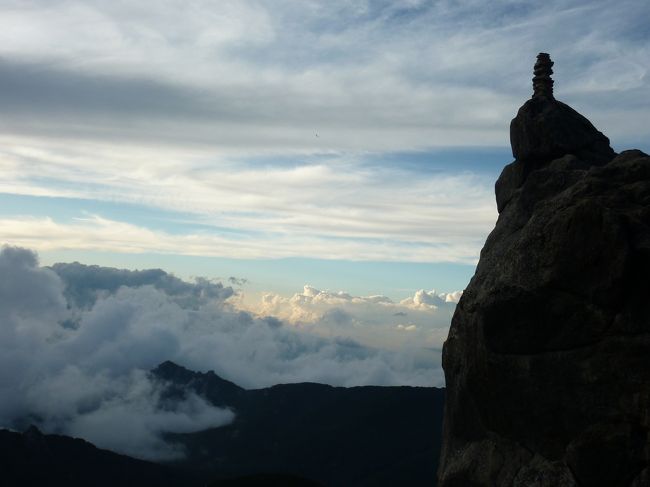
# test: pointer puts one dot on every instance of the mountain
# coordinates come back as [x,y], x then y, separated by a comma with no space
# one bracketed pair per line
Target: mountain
[300,435]
[357,436]
[547,360]
[34,459]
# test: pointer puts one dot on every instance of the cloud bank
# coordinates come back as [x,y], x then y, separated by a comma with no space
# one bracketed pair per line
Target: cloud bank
[372,320]
[76,343]
[88,379]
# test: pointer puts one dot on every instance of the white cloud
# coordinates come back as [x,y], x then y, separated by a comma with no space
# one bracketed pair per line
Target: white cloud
[77,380]
[122,413]
[430,299]
[81,370]
[366,75]
[385,215]
[407,327]
[372,320]
[166,104]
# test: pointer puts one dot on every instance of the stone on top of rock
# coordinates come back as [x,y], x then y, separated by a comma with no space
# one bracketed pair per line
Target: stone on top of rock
[545,128]
[542,81]
[547,359]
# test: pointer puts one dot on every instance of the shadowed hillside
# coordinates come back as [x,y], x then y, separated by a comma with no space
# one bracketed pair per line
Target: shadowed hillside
[293,434]
[335,435]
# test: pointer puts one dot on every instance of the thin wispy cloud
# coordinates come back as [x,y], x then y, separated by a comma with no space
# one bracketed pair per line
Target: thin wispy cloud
[173,105]
[336,208]
[99,234]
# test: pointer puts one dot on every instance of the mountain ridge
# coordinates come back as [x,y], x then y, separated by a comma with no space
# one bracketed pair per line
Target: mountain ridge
[303,434]
[33,458]
[297,428]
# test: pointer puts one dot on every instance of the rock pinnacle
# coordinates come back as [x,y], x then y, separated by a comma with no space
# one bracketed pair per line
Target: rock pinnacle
[546,129]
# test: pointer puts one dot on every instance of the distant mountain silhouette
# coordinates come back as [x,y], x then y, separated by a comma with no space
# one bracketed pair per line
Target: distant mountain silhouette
[301,435]
[357,436]
[265,480]
[34,459]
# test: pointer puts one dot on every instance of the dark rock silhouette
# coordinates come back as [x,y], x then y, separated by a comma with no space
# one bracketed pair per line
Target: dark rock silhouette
[546,129]
[305,435]
[179,380]
[266,480]
[547,361]
[542,81]
[361,436]
[34,459]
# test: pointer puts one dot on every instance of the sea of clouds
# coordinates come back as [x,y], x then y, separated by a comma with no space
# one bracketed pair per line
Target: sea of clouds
[77,342]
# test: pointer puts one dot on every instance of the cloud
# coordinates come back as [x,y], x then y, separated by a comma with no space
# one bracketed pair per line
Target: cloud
[84,284]
[211,109]
[430,299]
[83,380]
[77,342]
[21,280]
[124,413]
[365,75]
[237,281]
[373,320]
[367,229]
[407,327]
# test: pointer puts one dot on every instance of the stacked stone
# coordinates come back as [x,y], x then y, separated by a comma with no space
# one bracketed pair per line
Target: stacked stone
[542,82]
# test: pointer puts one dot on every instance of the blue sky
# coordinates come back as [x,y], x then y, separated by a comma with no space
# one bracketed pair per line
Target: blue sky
[350,145]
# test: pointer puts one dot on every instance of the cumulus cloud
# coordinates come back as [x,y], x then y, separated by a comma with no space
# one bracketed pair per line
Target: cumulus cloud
[77,343]
[375,320]
[83,284]
[82,380]
[430,299]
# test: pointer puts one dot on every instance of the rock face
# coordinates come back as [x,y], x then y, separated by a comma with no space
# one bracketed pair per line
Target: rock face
[547,361]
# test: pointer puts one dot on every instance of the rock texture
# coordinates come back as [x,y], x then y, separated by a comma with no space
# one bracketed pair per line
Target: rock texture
[547,361]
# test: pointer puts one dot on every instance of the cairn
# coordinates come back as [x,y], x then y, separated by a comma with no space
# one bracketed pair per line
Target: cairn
[542,81]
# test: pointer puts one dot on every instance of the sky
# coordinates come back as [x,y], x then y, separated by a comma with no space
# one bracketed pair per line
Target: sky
[77,343]
[316,179]
[263,139]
